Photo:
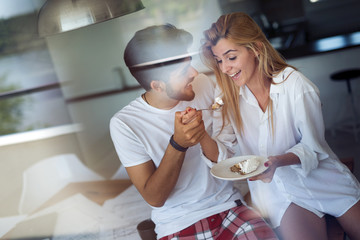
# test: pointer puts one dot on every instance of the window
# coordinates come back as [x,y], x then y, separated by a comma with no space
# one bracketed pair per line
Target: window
[30,97]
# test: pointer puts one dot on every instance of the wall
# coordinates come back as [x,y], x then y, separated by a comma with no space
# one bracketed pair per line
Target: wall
[331,17]
[333,94]
[323,18]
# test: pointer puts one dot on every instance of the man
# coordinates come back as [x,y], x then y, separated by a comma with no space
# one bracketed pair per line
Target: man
[162,150]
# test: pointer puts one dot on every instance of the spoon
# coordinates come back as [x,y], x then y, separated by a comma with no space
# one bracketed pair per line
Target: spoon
[216,106]
[210,109]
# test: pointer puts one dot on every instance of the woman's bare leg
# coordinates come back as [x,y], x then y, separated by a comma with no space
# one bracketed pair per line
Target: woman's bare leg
[350,222]
[299,224]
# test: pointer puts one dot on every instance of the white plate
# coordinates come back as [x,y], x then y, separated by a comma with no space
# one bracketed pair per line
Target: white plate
[222,169]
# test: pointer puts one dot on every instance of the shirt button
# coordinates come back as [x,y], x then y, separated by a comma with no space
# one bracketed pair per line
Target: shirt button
[216,233]
[212,220]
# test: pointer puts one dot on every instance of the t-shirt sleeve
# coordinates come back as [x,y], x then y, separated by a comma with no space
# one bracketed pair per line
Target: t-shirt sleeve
[128,146]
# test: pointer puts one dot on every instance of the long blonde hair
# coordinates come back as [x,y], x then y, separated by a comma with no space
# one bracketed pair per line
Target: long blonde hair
[242,30]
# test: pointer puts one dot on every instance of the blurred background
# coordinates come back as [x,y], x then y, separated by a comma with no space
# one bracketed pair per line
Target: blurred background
[58,93]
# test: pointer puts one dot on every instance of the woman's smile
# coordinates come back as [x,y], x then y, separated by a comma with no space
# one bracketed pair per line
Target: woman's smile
[235,76]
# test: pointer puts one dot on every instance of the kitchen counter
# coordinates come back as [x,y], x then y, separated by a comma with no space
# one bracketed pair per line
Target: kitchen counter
[323,45]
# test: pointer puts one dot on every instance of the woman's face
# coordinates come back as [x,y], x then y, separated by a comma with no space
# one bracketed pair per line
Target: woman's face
[238,62]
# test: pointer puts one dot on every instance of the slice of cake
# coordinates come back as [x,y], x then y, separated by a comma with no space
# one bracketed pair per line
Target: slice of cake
[218,103]
[246,166]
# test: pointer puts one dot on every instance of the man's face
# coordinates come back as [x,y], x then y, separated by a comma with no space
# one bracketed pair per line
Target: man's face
[179,85]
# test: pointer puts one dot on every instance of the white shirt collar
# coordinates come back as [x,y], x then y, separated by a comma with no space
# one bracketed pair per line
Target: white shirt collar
[274,88]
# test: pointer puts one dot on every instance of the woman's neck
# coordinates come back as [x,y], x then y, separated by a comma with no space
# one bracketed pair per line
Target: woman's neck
[261,90]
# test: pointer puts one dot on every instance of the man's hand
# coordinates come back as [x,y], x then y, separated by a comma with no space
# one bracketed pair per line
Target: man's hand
[189,127]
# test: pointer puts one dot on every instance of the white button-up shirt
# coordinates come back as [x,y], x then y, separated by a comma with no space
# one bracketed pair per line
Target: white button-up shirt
[321,183]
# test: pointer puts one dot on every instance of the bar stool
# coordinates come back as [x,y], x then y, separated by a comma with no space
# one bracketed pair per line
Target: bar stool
[353,126]
[146,230]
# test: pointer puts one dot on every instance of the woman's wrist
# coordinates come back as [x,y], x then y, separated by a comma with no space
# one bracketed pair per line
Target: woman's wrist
[284,160]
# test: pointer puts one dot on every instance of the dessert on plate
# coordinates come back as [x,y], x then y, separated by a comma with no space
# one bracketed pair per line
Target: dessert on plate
[246,166]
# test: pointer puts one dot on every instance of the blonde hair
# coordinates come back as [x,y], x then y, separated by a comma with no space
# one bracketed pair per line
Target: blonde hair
[242,30]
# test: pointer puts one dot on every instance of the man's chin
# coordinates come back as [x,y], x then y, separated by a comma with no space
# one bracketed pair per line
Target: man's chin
[189,97]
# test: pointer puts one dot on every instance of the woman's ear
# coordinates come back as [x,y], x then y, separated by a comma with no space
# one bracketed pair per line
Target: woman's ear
[258,46]
[158,86]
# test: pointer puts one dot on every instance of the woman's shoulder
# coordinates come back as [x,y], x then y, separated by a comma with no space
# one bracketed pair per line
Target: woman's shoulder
[286,74]
[204,87]
[203,81]
[294,79]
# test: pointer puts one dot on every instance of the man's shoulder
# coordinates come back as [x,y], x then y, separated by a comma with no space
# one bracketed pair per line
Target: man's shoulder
[128,111]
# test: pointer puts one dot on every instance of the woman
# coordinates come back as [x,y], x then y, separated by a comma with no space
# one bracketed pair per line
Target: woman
[275,111]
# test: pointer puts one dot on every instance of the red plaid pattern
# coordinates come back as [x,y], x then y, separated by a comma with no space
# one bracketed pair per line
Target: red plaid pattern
[238,223]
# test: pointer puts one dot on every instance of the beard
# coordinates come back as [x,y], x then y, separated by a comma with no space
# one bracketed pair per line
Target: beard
[179,95]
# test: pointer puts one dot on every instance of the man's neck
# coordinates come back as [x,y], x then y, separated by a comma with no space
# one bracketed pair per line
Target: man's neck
[159,100]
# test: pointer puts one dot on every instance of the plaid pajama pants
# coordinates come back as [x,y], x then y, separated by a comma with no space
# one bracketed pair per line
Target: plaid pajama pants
[238,223]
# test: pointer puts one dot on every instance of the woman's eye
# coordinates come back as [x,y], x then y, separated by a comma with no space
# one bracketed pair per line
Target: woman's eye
[232,58]
[218,61]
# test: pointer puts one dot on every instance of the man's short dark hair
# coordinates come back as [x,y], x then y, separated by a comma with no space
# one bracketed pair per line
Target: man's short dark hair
[151,47]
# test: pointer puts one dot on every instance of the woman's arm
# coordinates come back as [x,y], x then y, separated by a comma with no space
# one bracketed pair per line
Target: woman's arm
[273,163]
[209,148]
[208,145]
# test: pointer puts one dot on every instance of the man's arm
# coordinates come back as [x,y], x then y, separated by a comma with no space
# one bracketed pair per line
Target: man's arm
[208,145]
[156,184]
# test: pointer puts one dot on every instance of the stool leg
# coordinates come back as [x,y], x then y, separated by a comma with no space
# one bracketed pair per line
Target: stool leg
[353,125]
[356,127]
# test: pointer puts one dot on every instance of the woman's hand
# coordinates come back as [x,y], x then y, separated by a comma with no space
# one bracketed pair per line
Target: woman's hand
[268,175]
[189,114]
[274,162]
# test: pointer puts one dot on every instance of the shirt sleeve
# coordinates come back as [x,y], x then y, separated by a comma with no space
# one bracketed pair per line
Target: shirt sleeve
[225,138]
[310,124]
[127,145]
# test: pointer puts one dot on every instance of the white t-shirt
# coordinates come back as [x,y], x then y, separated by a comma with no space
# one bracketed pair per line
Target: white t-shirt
[141,133]
[321,183]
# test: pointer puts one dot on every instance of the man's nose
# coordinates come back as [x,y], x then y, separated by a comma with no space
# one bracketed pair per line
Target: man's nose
[193,71]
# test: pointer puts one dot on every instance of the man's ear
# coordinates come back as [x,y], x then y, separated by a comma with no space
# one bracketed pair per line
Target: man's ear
[158,86]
